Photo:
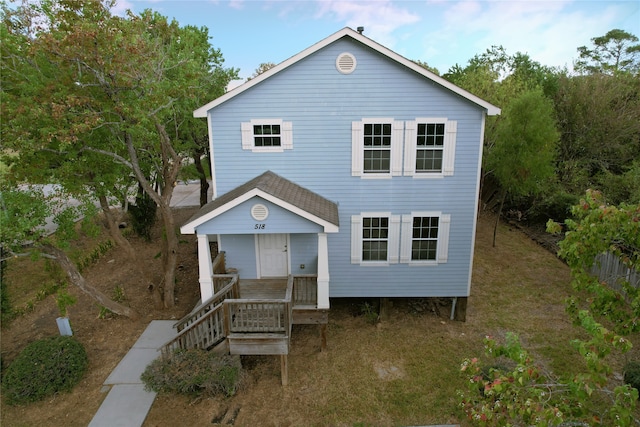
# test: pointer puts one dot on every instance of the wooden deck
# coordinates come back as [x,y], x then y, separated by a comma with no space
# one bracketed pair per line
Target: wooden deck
[251,316]
[263,288]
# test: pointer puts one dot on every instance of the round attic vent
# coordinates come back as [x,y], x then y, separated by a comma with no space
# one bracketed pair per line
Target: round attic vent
[346,63]
[259,212]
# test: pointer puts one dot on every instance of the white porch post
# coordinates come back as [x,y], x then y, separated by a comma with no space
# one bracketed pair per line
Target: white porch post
[323,271]
[205,267]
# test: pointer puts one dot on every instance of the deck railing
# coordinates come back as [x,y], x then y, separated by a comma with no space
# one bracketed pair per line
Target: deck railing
[260,315]
[225,286]
[225,313]
[204,333]
[305,290]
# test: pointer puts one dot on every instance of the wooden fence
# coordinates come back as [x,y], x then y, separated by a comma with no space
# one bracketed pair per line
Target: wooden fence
[610,269]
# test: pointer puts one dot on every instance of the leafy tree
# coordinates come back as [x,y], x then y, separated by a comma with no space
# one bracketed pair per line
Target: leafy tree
[615,52]
[522,392]
[111,92]
[265,66]
[599,121]
[426,66]
[522,157]
[23,214]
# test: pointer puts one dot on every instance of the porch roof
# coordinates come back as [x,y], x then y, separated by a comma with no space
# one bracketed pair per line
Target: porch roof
[276,189]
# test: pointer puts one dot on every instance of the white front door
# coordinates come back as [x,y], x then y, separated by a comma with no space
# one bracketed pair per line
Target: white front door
[273,255]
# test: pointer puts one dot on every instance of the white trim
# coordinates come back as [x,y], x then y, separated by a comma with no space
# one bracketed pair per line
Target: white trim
[393,240]
[323,271]
[348,32]
[248,137]
[442,248]
[205,267]
[212,162]
[190,227]
[477,204]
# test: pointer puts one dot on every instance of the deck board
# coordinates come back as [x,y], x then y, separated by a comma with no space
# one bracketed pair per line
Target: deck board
[263,288]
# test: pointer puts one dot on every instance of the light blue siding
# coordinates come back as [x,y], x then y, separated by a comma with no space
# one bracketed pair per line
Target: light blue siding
[321,103]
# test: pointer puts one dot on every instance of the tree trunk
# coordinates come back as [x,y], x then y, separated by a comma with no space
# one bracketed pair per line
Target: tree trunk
[114,230]
[76,278]
[204,184]
[169,256]
[495,227]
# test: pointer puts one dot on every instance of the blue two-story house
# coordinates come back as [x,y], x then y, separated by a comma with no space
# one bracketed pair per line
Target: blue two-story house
[348,162]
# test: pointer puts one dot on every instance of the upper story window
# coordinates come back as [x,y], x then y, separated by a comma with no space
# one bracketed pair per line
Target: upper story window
[425,238]
[375,238]
[376,148]
[429,147]
[267,135]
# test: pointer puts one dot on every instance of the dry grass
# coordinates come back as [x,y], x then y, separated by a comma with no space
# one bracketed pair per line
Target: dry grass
[403,371]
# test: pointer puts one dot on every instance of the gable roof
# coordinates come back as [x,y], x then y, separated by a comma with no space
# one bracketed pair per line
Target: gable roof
[492,110]
[276,189]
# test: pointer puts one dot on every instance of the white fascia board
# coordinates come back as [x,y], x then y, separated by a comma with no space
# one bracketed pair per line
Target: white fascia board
[492,110]
[190,228]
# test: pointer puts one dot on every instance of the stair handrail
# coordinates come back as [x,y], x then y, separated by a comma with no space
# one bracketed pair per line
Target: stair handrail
[168,347]
[228,291]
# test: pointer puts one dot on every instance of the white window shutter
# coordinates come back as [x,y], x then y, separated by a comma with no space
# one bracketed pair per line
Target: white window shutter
[410,147]
[394,239]
[449,147]
[356,239]
[247,135]
[407,233]
[357,149]
[443,238]
[287,135]
[397,133]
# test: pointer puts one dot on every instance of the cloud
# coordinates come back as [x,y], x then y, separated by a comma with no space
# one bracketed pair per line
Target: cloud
[379,18]
[548,31]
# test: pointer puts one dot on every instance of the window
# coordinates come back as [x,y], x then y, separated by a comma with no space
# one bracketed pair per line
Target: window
[429,147]
[265,135]
[377,148]
[375,238]
[430,144]
[425,238]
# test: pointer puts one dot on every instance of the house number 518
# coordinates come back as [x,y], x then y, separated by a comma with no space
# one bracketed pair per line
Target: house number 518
[259,227]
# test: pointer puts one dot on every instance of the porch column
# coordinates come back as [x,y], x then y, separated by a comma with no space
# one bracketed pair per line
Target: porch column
[205,267]
[323,271]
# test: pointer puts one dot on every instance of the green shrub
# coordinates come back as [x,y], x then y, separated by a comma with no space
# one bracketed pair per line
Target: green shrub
[632,374]
[194,372]
[43,368]
[143,215]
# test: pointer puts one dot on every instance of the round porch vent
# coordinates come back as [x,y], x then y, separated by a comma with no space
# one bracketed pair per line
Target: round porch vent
[346,63]
[259,212]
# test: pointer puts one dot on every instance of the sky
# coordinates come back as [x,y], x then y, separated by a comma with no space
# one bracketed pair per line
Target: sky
[441,33]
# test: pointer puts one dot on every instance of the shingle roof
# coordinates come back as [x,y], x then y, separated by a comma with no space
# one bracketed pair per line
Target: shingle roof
[282,189]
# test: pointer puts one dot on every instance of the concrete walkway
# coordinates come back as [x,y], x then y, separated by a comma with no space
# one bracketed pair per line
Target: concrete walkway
[127,403]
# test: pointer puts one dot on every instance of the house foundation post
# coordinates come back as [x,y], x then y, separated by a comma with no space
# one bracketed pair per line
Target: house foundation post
[461,309]
[284,369]
[323,271]
[205,267]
